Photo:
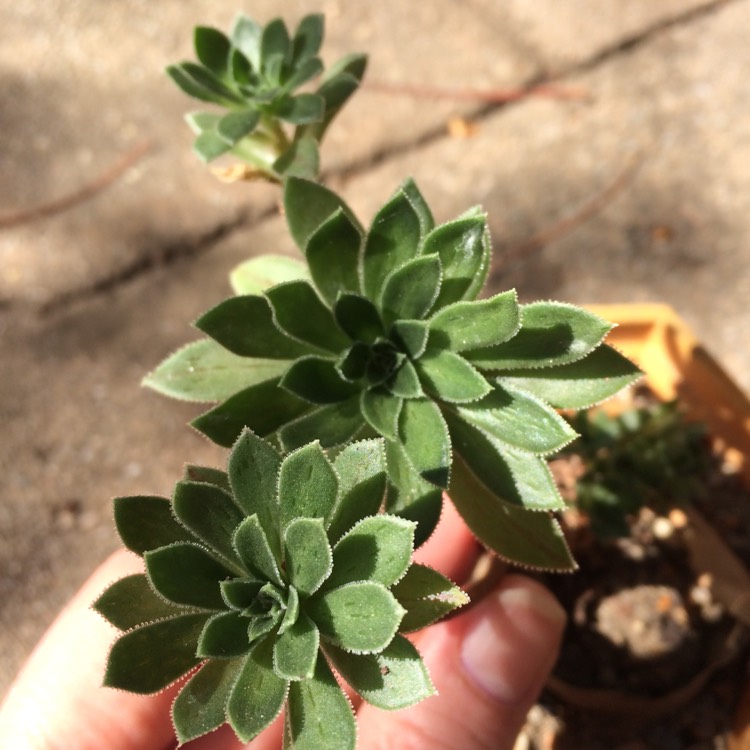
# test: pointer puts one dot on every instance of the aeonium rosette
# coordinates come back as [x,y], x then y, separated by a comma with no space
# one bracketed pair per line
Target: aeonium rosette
[264,578]
[380,332]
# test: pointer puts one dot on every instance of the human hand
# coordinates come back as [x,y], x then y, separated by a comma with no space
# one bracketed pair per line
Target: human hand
[487,664]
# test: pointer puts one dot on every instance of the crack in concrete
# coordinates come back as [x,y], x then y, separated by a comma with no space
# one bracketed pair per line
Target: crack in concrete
[193,247]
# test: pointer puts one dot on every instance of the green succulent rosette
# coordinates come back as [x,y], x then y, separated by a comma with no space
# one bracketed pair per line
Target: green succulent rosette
[380,332]
[262,579]
[254,73]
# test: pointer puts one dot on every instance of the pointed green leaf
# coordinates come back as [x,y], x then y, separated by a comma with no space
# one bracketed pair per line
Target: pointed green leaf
[149,658]
[206,474]
[131,602]
[552,333]
[333,256]
[224,636]
[378,548]
[352,364]
[246,35]
[419,204]
[258,695]
[580,384]
[335,90]
[405,383]
[299,312]
[393,240]
[308,37]
[212,49]
[206,371]
[317,380]
[292,613]
[201,83]
[517,476]
[185,573]
[146,522]
[301,109]
[201,705]
[307,205]
[202,121]
[240,593]
[263,408]
[301,159]
[410,291]
[320,716]
[394,679]
[449,377]
[362,617]
[296,650]
[519,420]
[361,471]
[463,247]
[274,40]
[262,625]
[410,496]
[412,336]
[245,326]
[307,554]
[254,550]
[236,125]
[358,318]
[209,146]
[521,536]
[481,323]
[425,440]
[427,596]
[381,411]
[307,485]
[332,425]
[257,274]
[210,513]
[302,74]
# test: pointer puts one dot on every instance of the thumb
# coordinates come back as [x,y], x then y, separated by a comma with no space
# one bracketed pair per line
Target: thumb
[488,666]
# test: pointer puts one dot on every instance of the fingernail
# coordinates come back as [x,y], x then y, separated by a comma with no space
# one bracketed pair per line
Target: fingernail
[511,647]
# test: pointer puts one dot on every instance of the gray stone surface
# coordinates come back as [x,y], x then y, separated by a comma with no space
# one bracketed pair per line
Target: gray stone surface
[96,295]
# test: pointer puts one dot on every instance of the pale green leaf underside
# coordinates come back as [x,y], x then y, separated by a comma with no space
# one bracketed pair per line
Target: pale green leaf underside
[257,274]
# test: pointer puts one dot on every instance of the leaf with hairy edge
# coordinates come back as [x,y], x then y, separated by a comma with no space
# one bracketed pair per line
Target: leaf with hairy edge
[360,468]
[463,248]
[146,522]
[358,318]
[410,291]
[253,474]
[246,327]
[210,513]
[318,381]
[517,476]
[551,333]
[206,474]
[378,548]
[258,694]
[201,705]
[332,425]
[419,204]
[425,439]
[410,496]
[319,716]
[263,408]
[246,35]
[426,595]
[301,159]
[149,658]
[185,573]
[235,126]
[381,411]
[333,256]
[412,335]
[519,420]
[254,276]
[307,205]
[450,377]
[296,650]
[393,239]
[479,323]
[580,384]
[224,636]
[531,539]
[405,383]
[131,602]
[212,49]
[254,549]
[394,679]
[308,555]
[300,313]
[307,485]
[361,617]
[205,371]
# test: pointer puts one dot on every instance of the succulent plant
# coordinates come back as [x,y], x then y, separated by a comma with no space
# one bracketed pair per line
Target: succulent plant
[380,333]
[254,74]
[264,577]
